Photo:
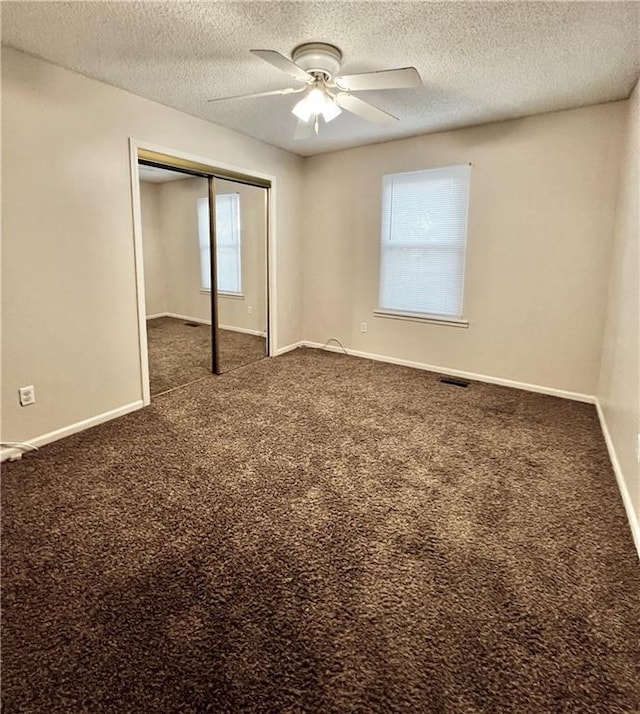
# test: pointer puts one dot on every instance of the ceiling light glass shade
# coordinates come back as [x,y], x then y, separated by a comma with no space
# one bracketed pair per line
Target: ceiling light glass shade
[331,111]
[301,110]
[316,102]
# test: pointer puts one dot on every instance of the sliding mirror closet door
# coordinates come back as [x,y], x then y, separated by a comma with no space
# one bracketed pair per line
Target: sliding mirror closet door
[178,299]
[241,268]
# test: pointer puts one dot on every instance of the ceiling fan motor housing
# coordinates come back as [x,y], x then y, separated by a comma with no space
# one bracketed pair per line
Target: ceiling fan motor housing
[318,57]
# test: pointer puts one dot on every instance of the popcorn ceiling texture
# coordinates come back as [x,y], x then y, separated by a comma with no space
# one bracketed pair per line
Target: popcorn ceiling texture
[479,61]
[317,533]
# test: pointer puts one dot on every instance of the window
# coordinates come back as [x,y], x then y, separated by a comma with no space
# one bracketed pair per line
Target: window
[423,241]
[228,254]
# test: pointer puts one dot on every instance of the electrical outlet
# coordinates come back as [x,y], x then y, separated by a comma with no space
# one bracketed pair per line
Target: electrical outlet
[363,327]
[27,395]
[250,310]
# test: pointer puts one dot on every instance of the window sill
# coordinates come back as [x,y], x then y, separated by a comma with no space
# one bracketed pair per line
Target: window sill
[221,293]
[422,317]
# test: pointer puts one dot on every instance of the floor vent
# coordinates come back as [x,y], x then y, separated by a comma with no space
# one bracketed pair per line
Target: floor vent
[455,381]
[192,324]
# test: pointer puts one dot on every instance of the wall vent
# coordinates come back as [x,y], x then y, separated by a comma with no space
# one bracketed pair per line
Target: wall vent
[456,381]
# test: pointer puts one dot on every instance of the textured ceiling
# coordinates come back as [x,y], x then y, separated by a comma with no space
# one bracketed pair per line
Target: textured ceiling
[479,62]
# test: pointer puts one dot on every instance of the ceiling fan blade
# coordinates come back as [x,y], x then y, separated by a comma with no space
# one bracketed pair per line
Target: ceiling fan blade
[283,63]
[286,90]
[304,130]
[364,110]
[385,79]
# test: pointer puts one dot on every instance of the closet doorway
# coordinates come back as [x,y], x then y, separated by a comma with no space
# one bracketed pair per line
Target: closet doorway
[202,239]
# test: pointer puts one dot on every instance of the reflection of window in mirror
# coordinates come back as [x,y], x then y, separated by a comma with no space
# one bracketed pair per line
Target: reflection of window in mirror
[228,243]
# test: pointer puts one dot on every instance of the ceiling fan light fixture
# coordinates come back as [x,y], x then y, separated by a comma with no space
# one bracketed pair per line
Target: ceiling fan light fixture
[331,110]
[317,101]
[301,110]
[326,92]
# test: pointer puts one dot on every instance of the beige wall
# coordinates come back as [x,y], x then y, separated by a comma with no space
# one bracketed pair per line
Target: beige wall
[542,206]
[155,283]
[178,204]
[68,293]
[619,390]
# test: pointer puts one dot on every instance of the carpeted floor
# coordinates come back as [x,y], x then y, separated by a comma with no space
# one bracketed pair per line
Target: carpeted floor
[319,533]
[180,352]
[238,349]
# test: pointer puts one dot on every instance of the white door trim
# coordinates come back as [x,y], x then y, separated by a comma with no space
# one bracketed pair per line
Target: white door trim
[134,146]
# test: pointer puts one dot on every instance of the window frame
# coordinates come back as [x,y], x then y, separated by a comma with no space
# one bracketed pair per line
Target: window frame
[204,248]
[451,320]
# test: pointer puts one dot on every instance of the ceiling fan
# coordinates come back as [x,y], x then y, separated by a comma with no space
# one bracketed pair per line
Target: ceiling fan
[325,92]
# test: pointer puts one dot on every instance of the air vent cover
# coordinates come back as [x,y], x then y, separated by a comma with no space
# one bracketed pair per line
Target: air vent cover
[456,381]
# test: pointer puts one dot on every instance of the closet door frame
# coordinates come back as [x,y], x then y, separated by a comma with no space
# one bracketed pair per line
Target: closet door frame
[211,169]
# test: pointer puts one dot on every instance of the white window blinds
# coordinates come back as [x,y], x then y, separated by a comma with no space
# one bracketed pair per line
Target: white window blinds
[424,235]
[228,243]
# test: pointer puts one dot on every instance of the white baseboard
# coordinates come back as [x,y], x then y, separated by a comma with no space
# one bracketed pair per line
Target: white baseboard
[632,516]
[289,348]
[9,453]
[551,391]
[244,330]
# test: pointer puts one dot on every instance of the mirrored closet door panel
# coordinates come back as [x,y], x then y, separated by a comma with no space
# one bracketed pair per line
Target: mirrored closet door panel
[241,269]
[178,298]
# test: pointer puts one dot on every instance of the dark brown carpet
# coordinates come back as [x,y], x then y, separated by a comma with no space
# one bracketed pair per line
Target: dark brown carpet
[180,353]
[319,533]
[238,349]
